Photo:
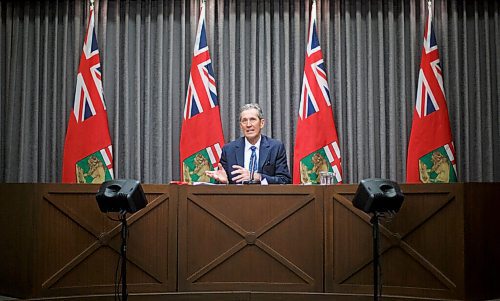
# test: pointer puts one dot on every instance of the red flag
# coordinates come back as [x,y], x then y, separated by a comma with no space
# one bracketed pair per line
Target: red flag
[201,134]
[431,153]
[316,144]
[87,154]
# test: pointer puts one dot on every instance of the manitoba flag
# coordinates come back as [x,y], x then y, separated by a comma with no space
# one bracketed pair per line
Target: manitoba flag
[316,144]
[431,153]
[201,134]
[88,154]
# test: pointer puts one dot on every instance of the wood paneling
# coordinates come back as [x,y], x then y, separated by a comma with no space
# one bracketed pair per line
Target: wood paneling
[251,243]
[482,240]
[423,247]
[17,202]
[250,238]
[72,248]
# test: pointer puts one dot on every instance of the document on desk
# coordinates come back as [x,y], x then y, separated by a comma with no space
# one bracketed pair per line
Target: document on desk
[205,183]
[263,182]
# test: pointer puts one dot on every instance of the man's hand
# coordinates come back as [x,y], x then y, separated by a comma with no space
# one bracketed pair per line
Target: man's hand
[218,175]
[243,174]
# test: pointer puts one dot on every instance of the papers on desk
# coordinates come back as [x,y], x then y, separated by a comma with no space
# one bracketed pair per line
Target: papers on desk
[204,183]
[263,182]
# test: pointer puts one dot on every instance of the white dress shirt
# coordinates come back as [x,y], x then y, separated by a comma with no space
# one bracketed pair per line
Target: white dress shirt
[248,153]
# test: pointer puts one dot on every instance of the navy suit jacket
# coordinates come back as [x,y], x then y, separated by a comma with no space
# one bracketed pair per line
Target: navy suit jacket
[273,165]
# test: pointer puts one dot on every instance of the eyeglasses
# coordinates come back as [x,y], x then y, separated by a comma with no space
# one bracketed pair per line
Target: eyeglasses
[250,121]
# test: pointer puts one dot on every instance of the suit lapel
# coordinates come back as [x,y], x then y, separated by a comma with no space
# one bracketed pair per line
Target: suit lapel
[240,152]
[264,151]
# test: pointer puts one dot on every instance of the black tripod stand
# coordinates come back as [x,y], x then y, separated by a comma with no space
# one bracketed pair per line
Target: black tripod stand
[121,196]
[377,196]
[123,254]
[376,247]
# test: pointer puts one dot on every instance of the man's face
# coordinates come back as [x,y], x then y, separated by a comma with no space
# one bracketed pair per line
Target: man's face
[251,124]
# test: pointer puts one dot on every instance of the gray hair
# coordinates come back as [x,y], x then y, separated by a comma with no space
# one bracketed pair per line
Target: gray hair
[249,106]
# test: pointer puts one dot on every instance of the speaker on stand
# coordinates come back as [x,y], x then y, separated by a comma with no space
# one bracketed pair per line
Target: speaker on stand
[377,197]
[123,196]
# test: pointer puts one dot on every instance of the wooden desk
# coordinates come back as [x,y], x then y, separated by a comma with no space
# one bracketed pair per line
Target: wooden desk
[251,243]
[251,238]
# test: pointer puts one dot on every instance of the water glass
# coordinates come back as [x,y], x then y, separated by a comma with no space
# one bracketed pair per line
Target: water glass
[326,178]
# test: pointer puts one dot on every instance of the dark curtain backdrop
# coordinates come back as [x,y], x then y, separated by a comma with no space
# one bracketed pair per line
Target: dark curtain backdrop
[371,49]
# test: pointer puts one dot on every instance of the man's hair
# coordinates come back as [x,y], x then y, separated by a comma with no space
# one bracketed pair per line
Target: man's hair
[249,106]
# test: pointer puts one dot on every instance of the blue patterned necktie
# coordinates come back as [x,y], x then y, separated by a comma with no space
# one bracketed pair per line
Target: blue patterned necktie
[253,161]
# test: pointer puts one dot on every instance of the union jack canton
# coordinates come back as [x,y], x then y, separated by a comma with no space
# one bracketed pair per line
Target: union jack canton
[202,93]
[88,92]
[430,91]
[315,84]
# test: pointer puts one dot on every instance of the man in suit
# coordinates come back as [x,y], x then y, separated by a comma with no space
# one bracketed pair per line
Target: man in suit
[254,157]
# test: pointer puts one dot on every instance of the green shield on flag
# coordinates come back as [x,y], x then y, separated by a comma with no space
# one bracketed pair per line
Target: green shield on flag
[194,167]
[436,167]
[92,169]
[312,165]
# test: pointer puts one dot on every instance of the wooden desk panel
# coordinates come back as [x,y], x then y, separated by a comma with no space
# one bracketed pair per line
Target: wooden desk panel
[424,248]
[73,249]
[17,237]
[482,240]
[251,238]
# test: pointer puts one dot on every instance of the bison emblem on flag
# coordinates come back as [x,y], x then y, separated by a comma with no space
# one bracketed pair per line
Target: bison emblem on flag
[438,166]
[325,159]
[95,168]
[195,166]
